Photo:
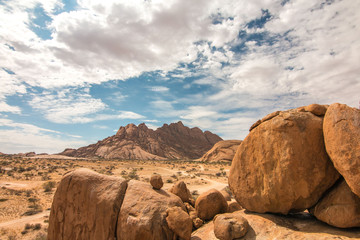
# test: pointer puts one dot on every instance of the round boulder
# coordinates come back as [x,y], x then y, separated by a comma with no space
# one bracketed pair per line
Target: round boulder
[180,190]
[233,206]
[180,222]
[282,165]
[230,226]
[340,207]
[156,181]
[210,203]
[342,141]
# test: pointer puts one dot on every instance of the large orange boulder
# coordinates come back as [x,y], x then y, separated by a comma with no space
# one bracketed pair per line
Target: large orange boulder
[210,203]
[143,213]
[282,165]
[86,206]
[340,207]
[342,141]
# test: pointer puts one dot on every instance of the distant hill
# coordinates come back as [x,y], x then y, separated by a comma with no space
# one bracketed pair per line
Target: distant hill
[174,141]
[221,151]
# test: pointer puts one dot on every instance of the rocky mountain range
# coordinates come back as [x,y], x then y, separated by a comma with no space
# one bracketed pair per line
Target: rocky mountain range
[174,141]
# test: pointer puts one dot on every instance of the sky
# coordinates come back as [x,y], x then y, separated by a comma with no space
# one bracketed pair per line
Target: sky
[72,72]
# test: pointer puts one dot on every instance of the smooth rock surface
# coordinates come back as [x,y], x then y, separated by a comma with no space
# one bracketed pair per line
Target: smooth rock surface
[340,207]
[300,226]
[143,213]
[282,165]
[86,206]
[342,141]
[210,203]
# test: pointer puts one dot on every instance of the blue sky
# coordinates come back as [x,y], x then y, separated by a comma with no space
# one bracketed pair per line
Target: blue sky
[72,72]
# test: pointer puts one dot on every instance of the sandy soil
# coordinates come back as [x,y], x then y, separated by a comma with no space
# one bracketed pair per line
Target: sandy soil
[27,185]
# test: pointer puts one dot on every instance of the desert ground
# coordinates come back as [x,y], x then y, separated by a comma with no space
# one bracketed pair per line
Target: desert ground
[27,185]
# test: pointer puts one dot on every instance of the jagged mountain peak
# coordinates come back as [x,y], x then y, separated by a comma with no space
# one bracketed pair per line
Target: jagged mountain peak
[173,141]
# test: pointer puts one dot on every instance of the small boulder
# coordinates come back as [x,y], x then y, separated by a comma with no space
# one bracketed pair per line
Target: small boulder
[225,194]
[342,141]
[230,226]
[233,206]
[197,222]
[210,203]
[340,207]
[180,222]
[180,190]
[317,109]
[156,181]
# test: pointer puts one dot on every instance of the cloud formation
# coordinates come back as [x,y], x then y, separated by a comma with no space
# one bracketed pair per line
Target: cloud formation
[218,65]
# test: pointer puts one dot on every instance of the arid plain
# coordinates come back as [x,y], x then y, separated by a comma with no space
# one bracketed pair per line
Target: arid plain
[27,185]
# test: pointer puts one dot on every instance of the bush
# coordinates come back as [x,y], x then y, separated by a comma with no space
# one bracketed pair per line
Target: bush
[41,236]
[48,186]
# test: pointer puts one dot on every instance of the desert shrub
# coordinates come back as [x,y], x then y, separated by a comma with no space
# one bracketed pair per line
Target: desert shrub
[3,199]
[218,174]
[37,209]
[41,236]
[48,186]
[133,175]
[33,200]
[28,226]
[28,193]
[169,181]
[37,226]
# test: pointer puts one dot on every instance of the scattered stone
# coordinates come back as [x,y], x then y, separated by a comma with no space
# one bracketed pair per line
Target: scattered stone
[197,222]
[143,213]
[282,165]
[230,226]
[233,206]
[156,181]
[180,222]
[180,189]
[86,206]
[342,141]
[210,203]
[340,207]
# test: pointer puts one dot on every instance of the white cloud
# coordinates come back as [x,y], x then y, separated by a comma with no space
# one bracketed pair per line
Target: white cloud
[159,89]
[4,107]
[22,137]
[74,105]
[67,106]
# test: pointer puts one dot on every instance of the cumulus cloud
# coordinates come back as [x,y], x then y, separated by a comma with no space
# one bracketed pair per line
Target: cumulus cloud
[73,105]
[22,137]
[254,57]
